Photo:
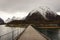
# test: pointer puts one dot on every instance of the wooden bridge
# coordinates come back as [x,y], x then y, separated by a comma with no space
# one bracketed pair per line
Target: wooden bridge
[32,34]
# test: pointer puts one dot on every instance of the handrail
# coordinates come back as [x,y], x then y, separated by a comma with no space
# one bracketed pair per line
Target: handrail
[8,33]
[21,34]
[12,35]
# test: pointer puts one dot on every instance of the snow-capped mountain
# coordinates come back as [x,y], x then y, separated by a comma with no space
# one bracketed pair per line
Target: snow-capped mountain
[13,18]
[43,13]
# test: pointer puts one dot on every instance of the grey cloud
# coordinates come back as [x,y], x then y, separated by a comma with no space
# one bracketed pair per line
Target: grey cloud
[27,5]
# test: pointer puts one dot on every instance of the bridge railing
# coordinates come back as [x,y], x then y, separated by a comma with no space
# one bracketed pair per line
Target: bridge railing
[11,35]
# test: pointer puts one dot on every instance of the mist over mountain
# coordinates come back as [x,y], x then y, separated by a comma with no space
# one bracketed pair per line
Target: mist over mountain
[41,13]
[38,15]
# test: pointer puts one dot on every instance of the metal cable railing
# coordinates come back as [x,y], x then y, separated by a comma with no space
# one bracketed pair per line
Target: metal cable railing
[11,35]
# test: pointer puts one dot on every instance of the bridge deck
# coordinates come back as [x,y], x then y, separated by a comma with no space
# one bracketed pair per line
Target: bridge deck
[31,34]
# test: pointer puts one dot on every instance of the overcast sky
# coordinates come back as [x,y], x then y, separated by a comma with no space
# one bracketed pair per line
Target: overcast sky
[25,6]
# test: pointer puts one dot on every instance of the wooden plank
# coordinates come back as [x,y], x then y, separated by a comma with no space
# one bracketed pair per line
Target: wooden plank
[32,34]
